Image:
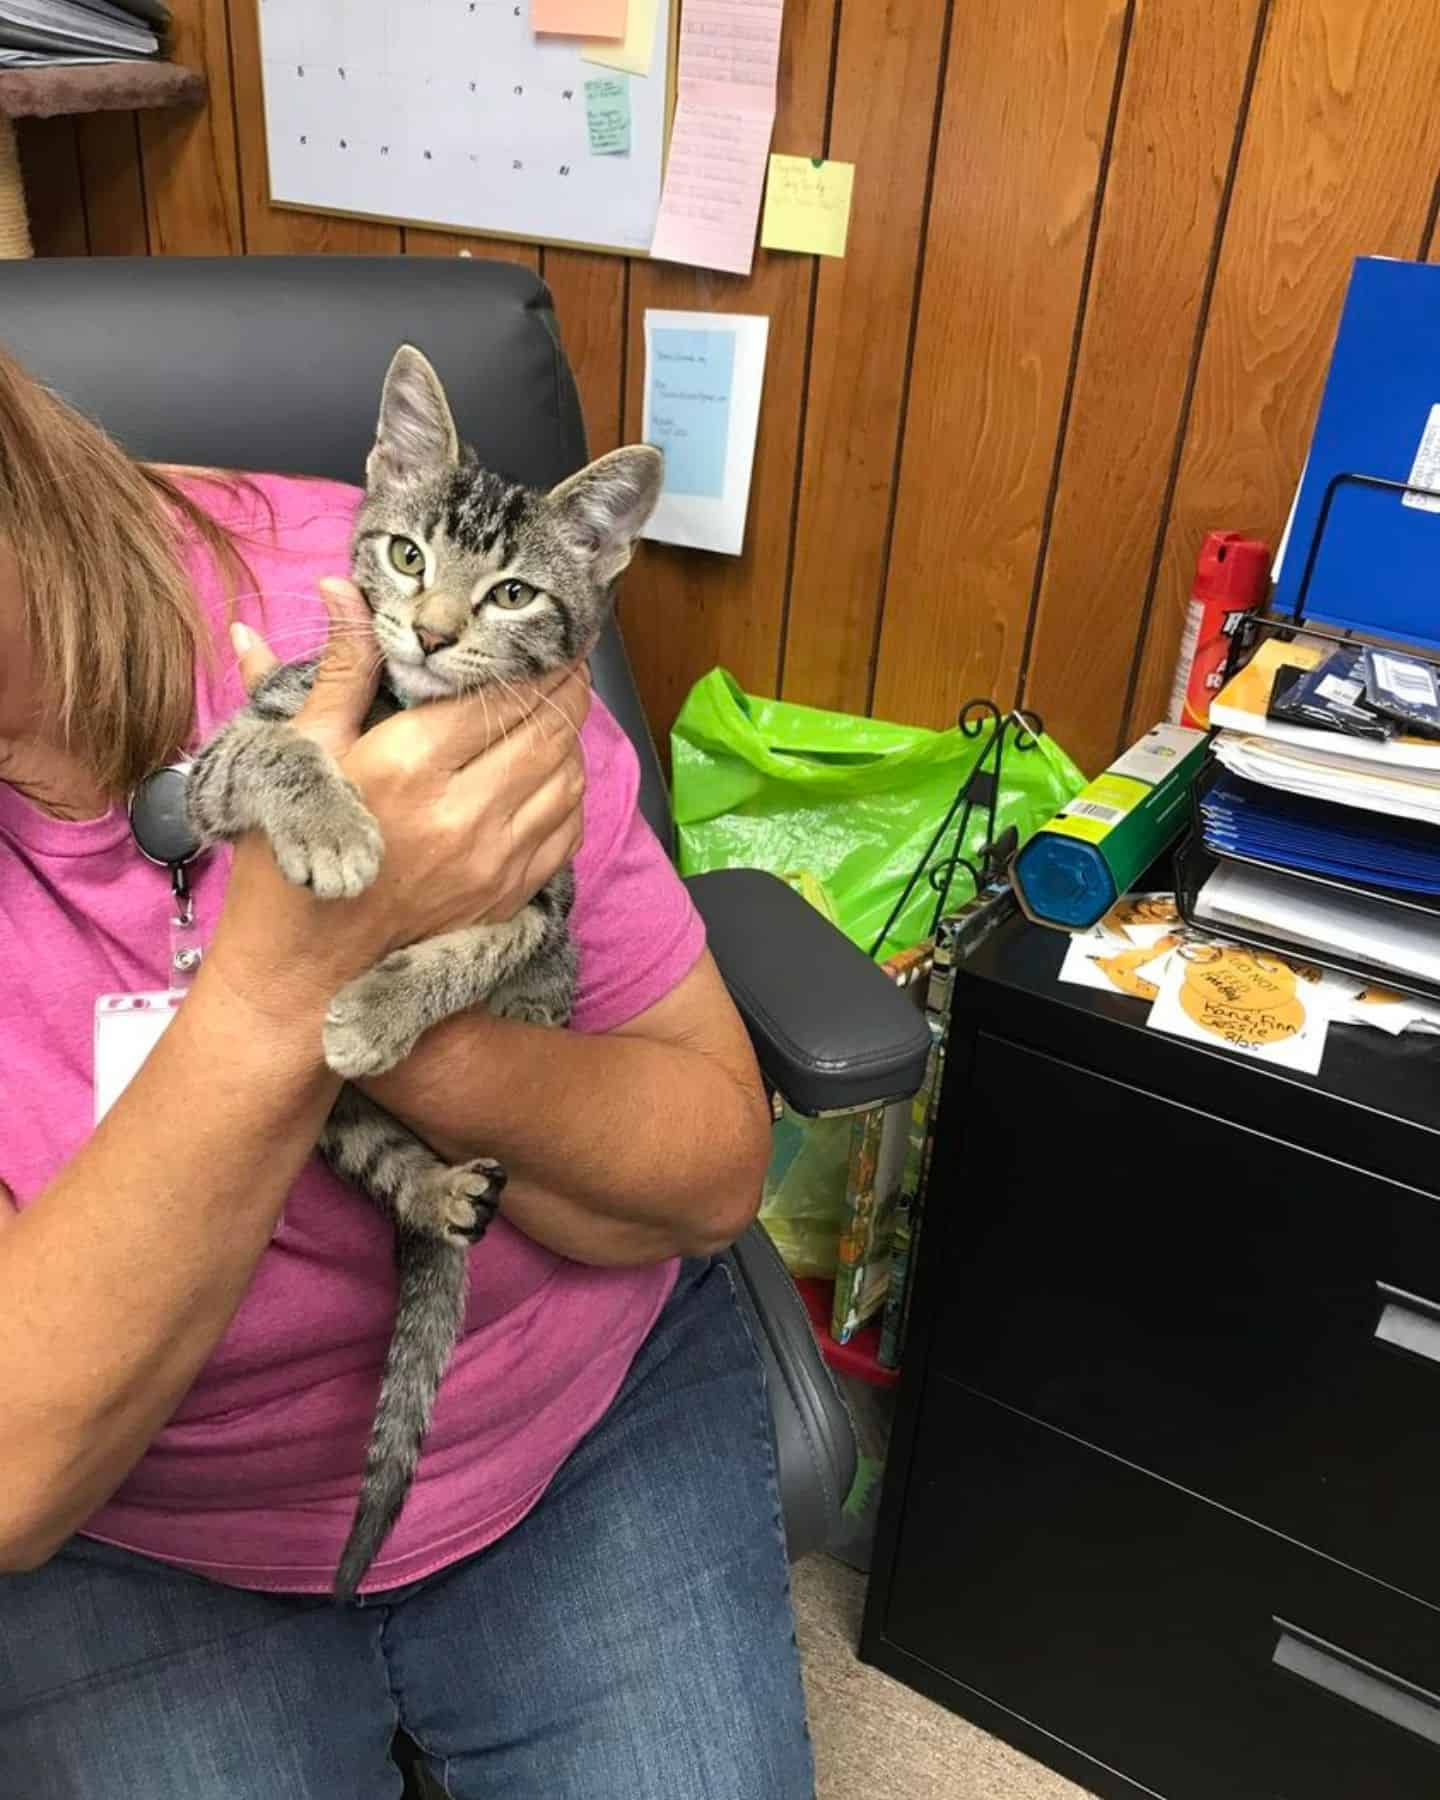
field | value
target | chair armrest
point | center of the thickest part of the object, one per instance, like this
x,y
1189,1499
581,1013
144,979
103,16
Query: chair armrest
x,y
831,1031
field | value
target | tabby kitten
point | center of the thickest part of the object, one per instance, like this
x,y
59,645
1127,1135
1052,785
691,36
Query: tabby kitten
x,y
471,581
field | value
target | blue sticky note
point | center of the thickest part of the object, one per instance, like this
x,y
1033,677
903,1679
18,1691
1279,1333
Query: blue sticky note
x,y
690,383
607,113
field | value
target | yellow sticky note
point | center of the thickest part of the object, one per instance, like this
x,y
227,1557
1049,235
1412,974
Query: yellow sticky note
x,y
807,205
634,52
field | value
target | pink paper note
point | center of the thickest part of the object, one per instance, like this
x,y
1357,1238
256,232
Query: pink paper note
x,y
579,18
725,112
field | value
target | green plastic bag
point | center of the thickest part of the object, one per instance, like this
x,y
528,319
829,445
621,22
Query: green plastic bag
x,y
803,1205
850,802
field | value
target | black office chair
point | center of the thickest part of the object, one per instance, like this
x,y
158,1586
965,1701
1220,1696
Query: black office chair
x,y
276,363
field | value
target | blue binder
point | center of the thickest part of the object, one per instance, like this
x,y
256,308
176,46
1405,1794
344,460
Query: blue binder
x,y
1295,831
1378,566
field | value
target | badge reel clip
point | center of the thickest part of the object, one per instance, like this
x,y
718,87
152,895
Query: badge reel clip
x,y
163,835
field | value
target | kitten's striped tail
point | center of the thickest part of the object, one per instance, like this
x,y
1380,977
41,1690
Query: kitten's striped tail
x,y
428,1314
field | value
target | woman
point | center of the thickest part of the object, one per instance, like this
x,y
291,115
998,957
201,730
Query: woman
x,y
587,1591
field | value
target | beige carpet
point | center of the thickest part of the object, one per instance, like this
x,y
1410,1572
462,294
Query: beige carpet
x,y
876,1740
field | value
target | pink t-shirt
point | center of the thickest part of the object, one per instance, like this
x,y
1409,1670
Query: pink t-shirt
x,y
254,1480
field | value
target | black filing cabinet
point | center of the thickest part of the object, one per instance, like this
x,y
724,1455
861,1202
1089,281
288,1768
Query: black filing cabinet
x,y
1163,1500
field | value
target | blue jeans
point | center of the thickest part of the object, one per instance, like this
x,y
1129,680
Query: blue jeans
x,y
631,1639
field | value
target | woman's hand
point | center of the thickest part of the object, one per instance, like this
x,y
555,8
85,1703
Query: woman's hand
x,y
479,802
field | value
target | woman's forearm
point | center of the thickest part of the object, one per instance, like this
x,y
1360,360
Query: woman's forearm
x,y
117,1281
620,1149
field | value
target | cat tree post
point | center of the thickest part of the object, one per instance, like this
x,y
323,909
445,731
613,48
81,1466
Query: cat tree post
x,y
82,88
14,219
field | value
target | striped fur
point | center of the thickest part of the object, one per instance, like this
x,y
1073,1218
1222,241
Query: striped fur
x,y
484,542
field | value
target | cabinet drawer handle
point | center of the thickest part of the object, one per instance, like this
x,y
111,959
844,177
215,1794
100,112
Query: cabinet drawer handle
x,y
1408,1321
1412,1708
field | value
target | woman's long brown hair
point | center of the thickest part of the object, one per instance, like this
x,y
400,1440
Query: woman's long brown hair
x,y
110,615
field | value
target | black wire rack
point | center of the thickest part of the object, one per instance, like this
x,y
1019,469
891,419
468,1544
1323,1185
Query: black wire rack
x,y
1196,860
1018,730
1255,625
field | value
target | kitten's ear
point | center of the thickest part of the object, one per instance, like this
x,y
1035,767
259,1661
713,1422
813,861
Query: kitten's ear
x,y
415,434
603,508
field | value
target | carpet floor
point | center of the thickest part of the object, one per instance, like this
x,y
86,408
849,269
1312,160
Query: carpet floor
x,y
876,1740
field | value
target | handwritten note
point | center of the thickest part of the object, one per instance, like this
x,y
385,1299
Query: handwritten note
x,y
691,377
579,18
807,205
703,376
713,182
633,54
732,43
1249,1001
607,114
729,53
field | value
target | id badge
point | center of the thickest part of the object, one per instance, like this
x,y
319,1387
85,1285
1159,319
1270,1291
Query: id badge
x,y
127,1029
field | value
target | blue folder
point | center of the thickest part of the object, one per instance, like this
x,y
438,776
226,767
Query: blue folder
x,y
1378,566
1317,837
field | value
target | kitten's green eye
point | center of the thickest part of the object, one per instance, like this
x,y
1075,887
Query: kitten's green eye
x,y
510,596
407,556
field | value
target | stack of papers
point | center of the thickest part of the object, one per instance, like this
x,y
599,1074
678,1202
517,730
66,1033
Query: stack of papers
x,y
1347,828
1338,834
1402,794
1401,940
37,32
1241,818
1399,777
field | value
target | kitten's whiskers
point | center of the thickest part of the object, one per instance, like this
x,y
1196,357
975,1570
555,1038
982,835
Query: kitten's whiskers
x,y
545,699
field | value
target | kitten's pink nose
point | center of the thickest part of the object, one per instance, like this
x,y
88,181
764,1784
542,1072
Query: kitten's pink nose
x,y
431,641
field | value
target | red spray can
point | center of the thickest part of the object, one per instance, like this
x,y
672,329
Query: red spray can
x,y
1230,580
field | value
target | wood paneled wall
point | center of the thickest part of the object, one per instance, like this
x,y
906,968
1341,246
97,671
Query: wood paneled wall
x,y
1096,258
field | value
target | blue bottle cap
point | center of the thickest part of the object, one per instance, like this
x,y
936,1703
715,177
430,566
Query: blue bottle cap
x,y
1064,881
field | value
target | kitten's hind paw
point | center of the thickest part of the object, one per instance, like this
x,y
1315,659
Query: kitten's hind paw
x,y
373,1023
459,1203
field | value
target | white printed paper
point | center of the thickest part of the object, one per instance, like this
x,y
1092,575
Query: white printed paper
x,y
1410,681
1359,1003
1353,925
703,376
127,1029
1153,756
1113,965
1425,470
1081,966
1278,561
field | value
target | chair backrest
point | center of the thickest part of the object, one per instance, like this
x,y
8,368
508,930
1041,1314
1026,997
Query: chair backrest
x,y
276,362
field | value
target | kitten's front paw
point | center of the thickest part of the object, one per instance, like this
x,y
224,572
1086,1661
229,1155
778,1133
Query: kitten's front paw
x,y
459,1203
372,1022
336,853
